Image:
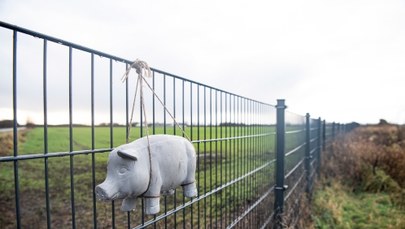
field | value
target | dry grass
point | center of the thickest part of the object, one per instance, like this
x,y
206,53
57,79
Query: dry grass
x,y
6,143
363,180
370,158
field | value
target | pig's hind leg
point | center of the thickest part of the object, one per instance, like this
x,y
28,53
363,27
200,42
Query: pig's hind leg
x,y
152,196
189,190
189,185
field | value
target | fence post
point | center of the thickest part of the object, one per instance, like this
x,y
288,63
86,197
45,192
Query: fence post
x,y
324,135
307,153
336,129
280,154
333,130
319,145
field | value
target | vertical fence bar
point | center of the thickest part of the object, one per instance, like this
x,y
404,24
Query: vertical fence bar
x,y
164,132
205,151
333,130
153,105
216,156
111,134
141,124
336,129
251,150
44,87
72,187
174,133
319,145
280,154
210,158
198,155
191,138
127,107
111,106
307,152
164,103
153,131
233,154
130,124
184,129
239,149
93,159
226,153
222,174
222,155
15,133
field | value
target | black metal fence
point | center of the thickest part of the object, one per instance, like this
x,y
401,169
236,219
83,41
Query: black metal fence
x,y
255,160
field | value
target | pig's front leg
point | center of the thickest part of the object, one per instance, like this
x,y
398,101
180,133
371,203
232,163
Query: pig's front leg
x,y
152,205
128,204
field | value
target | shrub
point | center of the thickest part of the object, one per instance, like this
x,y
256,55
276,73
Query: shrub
x,y
371,159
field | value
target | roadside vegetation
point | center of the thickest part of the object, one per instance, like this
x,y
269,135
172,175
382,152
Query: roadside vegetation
x,y
362,182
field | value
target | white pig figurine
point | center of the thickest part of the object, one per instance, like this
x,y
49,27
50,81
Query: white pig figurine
x,y
132,173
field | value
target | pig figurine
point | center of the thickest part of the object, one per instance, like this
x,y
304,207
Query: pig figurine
x,y
132,173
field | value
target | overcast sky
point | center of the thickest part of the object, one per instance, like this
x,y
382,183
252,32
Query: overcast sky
x,y
341,60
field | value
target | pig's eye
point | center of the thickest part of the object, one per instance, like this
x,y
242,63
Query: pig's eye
x,y
122,170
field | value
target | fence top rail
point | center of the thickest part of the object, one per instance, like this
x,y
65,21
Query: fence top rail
x,y
118,59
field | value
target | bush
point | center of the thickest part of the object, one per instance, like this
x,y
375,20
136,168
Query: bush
x,y
379,182
371,159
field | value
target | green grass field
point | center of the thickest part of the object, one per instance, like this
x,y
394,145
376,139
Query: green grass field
x,y
219,163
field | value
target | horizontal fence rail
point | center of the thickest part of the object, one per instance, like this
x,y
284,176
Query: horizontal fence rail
x,y
255,160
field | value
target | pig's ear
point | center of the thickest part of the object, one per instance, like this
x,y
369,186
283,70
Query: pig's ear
x,y
127,155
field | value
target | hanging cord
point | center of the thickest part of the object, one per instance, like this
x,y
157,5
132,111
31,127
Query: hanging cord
x,y
142,67
167,110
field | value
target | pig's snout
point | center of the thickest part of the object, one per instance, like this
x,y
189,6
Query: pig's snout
x,y
101,193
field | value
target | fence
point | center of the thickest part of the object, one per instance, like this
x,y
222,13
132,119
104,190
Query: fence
x,y
254,160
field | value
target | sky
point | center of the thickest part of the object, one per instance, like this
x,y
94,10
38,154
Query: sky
x,y
340,60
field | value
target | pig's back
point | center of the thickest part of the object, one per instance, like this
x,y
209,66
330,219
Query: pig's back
x,y
172,155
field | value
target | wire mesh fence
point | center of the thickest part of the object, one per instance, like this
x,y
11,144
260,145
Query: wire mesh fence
x,y
49,169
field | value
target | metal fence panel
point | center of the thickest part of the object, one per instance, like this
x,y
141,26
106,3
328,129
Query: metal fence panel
x,y
255,162
56,164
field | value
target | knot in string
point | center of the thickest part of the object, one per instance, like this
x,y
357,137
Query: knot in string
x,y
141,67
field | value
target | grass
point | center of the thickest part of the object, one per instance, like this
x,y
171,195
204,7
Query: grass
x,y
336,206
219,162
